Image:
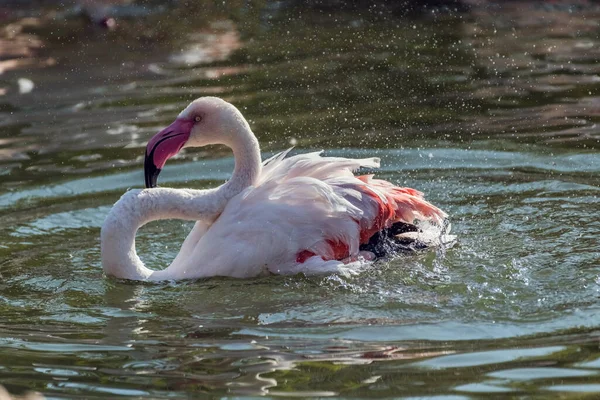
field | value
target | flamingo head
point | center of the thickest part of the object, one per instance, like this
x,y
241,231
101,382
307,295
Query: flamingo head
x,y
207,120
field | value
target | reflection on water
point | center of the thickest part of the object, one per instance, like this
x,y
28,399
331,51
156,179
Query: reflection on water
x,y
540,71
18,49
492,112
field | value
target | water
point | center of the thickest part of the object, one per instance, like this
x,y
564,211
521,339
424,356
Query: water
x,y
492,113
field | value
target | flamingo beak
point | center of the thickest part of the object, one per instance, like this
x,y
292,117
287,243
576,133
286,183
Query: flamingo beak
x,y
164,145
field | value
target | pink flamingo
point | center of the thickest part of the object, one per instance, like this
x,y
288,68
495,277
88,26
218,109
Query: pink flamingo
x,y
300,214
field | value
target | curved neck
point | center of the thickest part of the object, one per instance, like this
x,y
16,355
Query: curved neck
x,y
138,207
246,152
135,209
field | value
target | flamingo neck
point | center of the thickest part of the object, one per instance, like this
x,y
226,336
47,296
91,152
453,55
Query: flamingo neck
x,y
138,207
135,209
246,152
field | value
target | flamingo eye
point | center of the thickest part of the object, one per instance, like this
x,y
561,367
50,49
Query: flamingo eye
x,y
198,118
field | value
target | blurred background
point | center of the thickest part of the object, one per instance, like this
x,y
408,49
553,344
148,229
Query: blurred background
x,y
489,107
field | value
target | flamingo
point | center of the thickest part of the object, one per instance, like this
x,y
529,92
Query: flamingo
x,y
289,214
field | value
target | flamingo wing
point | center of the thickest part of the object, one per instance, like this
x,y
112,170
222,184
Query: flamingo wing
x,y
307,213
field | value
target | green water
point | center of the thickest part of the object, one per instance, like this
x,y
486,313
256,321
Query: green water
x,y
493,113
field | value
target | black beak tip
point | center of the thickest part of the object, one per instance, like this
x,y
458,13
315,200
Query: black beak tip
x,y
150,172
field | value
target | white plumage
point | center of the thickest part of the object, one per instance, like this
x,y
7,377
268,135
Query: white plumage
x,y
304,213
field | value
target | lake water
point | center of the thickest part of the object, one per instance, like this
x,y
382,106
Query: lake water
x,y
493,112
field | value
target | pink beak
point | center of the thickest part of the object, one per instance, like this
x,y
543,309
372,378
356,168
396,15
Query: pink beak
x,y
164,145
